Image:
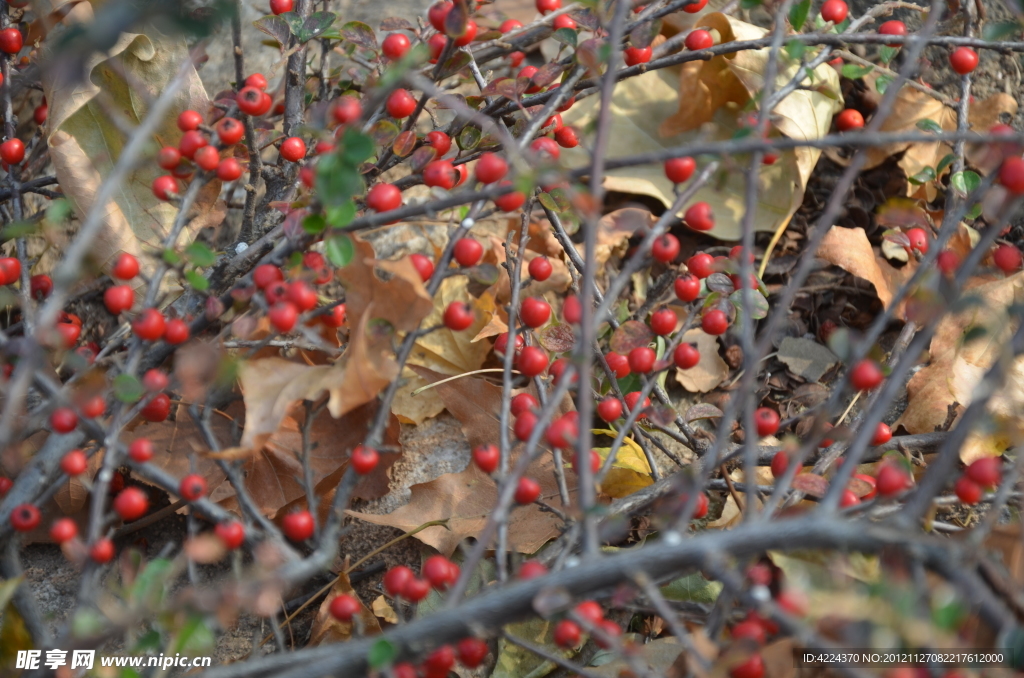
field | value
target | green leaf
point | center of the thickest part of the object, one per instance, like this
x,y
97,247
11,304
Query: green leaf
x,y
340,250
381,654
455,63
975,212
883,82
886,53
945,162
128,389
58,211
547,201
566,36
337,179
1000,30
317,23
751,4
925,175
758,304
965,182
854,72
693,588
314,224
341,215
798,14
171,258
150,640
928,125
150,585
195,637
469,138
795,49
197,281
356,147
200,255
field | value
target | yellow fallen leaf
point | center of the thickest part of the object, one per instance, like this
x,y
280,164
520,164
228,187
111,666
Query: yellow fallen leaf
x,y
451,352
630,455
383,609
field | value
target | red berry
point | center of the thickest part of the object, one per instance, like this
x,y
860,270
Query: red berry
x,y
695,6
524,402
632,398
527,491
866,375
118,298
501,343
531,569
74,463
562,433
40,286
253,101
157,409
780,462
424,266
663,321
364,459
486,457
150,325
750,629
849,119
963,60
102,551
438,571
968,491
440,141
131,504
468,252
715,322
509,25
468,35
641,359
63,530
347,110
63,420
458,316
1011,174
69,333
345,607
767,421
611,630
637,55
395,46
293,149
436,44
572,309
918,239
437,13
883,434
665,248
532,361
281,6
189,120
948,262
400,104
384,197
302,295
440,661
472,652
439,173
510,202
534,312
266,274
699,217
229,169
231,534
751,668
256,80
609,409
177,331
563,21
848,498
191,142
10,270
567,632
698,39
566,137
229,131
893,28
396,578
679,170
548,6
591,611
618,363
540,268
546,148
25,517
5,485
155,380
891,480
834,11
490,168
701,265
1007,258
686,356
298,525
12,151
140,450
687,288
986,471
11,40
335,317
283,316
126,267
165,187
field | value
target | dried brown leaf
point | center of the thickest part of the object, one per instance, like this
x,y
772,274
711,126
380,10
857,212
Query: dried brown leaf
x,y
326,629
710,371
850,250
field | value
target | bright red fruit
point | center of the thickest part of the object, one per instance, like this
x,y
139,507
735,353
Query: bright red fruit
x,y
687,287
767,421
293,149
155,380
165,187
968,491
283,315
546,148
963,60
140,450
158,409
891,480
345,607
458,316
641,359
118,298
40,286
609,409
632,398
524,402
438,571
591,611
229,169
849,119
567,634
191,142
74,463
400,104
780,462
346,110
281,6
987,471
440,661
695,6
439,173
424,266
63,530
510,202
468,252
663,321
25,517
486,457
701,265
883,434
436,44
231,534
472,652
126,267
1011,174
10,270
501,343
665,248
750,629
131,504
531,569
566,137
384,197
440,142
364,459
177,331
298,525
395,46
637,55
893,28
468,35
230,131
532,361
540,268
102,551
698,39
509,25
534,312
490,168
918,238
63,420
751,668
563,21
256,80
847,499
189,120
679,170
11,40
866,375
699,217
572,309
12,151
396,578
548,6
1007,258
686,356
527,491
715,322
834,11
437,13
150,325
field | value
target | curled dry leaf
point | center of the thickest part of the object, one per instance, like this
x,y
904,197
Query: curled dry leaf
x,y
699,100
383,610
326,629
710,371
849,249
466,499
85,140
630,335
966,344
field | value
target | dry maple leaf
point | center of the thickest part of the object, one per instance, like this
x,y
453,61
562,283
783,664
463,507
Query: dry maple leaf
x,y
850,250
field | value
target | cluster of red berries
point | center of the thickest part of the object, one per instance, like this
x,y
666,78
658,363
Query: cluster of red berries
x,y
287,300
982,474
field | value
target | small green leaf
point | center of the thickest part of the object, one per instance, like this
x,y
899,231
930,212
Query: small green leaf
x,y
337,179
314,224
276,27
547,201
974,213
795,49
356,147
171,258
469,138
197,281
128,389
1000,30
566,36
854,72
945,162
925,175
886,53
58,211
928,125
751,4
693,588
965,182
317,23
798,14
200,255
382,653
341,215
883,82
340,249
